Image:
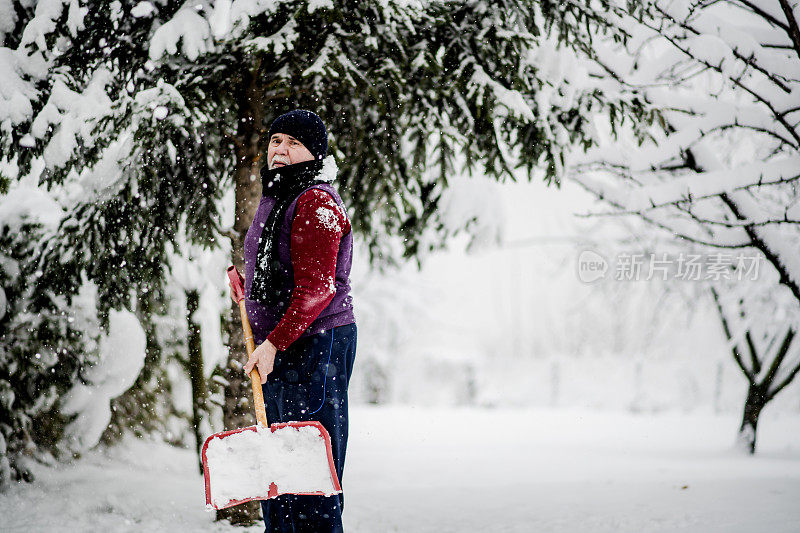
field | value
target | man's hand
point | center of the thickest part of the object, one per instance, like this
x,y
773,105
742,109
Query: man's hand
x,y
263,358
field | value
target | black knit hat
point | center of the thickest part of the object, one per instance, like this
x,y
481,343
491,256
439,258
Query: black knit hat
x,y
304,126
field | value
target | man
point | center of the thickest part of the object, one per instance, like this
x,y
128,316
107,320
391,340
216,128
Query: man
x,y
298,253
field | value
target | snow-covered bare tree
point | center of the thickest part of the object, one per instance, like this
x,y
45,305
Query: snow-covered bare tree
x,y
764,350
720,169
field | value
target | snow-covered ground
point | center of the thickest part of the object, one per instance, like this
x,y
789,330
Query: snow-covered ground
x,y
437,470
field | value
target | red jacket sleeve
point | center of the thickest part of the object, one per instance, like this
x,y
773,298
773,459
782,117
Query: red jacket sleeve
x,y
317,228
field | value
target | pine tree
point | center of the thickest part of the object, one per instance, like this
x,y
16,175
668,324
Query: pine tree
x,y
145,113
43,348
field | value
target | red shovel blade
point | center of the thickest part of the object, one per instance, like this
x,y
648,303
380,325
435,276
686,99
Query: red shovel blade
x,y
256,463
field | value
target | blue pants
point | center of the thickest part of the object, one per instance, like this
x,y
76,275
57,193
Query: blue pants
x,y
309,382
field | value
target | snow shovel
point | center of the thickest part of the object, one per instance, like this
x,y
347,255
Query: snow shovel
x,y
262,462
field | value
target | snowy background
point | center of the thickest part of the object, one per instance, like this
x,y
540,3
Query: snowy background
x,y
513,325
497,413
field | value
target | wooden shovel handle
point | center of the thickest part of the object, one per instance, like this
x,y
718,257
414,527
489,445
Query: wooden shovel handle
x,y
237,293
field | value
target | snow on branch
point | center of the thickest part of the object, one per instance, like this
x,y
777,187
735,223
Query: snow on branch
x,y
278,42
511,99
44,20
73,115
710,184
17,89
187,27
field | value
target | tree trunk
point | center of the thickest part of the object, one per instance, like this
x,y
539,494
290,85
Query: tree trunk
x,y
237,409
196,374
756,400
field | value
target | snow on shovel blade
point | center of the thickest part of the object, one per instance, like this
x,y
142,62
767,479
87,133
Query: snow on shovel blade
x,y
259,463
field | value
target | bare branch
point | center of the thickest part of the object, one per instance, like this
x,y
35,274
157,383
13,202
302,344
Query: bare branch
x,y
793,30
649,220
740,223
691,198
727,330
779,357
688,211
763,14
759,243
775,113
755,239
785,382
758,129
751,347
777,46
750,61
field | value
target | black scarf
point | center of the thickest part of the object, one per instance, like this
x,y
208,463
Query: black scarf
x,y
284,184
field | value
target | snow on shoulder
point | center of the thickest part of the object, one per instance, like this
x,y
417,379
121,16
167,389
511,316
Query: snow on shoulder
x,y
329,169
330,214
243,465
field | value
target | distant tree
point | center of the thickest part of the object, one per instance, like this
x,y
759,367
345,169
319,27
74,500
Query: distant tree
x,y
767,355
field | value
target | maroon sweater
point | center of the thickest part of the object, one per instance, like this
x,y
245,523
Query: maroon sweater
x,y
317,228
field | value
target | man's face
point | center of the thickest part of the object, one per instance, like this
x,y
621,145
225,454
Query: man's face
x,y
285,150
